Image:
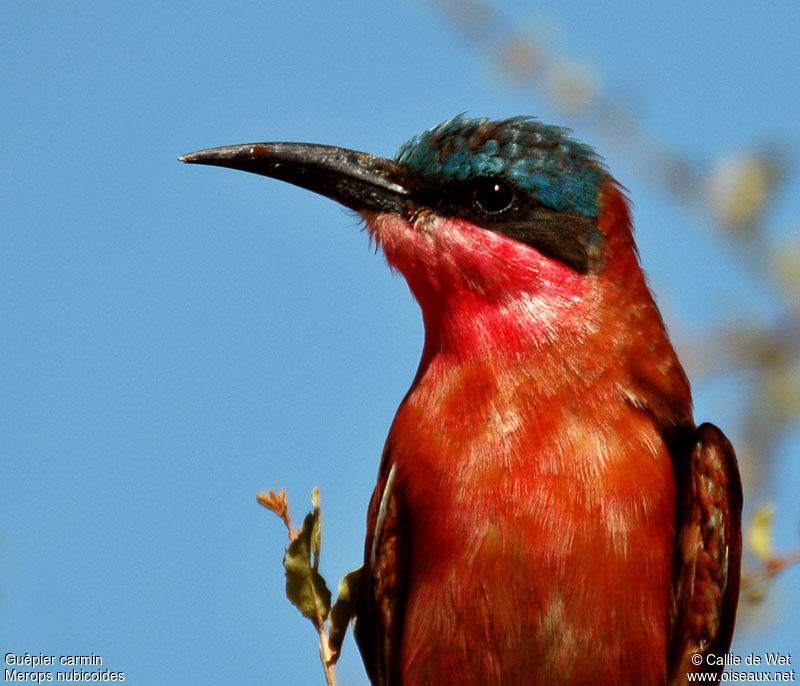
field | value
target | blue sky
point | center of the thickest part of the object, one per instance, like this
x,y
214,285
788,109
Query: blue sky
x,y
176,339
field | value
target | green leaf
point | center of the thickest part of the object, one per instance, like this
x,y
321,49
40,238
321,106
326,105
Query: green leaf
x,y
305,587
315,537
344,609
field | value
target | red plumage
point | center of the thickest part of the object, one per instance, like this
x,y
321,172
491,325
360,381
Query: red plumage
x,y
546,512
523,529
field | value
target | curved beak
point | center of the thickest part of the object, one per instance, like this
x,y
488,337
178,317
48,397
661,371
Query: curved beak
x,y
355,179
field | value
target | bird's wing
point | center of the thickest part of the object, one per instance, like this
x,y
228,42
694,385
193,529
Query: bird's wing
x,y
378,626
708,548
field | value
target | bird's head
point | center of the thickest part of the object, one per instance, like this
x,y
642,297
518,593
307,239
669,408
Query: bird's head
x,y
494,224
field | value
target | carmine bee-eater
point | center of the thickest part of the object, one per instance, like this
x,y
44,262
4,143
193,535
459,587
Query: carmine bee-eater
x,y
546,511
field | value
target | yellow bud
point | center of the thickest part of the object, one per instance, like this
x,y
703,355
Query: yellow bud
x,y
738,189
759,532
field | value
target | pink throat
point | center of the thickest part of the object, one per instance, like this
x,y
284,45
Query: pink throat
x,y
481,292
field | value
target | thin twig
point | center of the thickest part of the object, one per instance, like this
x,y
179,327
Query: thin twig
x,y
328,663
772,568
277,503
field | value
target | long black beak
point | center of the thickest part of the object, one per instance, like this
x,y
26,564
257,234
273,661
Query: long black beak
x,y
357,180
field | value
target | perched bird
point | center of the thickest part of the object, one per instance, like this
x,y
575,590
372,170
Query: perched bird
x,y
547,511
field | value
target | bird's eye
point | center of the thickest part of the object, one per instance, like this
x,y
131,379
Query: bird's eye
x,y
493,195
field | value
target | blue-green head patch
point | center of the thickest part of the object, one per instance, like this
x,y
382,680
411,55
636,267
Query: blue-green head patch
x,y
558,171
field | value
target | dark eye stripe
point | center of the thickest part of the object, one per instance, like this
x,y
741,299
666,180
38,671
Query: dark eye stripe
x,y
497,205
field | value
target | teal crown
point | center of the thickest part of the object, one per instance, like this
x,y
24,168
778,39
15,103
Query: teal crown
x,y
559,171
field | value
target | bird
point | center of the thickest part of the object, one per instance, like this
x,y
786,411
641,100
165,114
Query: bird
x,y
546,511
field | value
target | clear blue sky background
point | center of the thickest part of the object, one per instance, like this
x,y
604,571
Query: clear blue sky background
x,y
175,339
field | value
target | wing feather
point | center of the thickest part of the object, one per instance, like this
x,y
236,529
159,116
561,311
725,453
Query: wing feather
x,y
379,620
707,555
